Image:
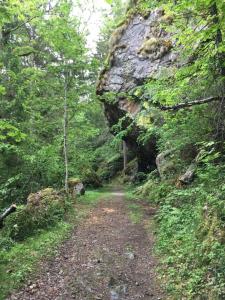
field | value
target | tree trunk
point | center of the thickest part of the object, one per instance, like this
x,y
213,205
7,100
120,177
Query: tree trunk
x,y
218,38
124,155
220,68
65,134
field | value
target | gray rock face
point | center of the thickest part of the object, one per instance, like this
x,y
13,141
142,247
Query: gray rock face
x,y
79,189
141,49
132,64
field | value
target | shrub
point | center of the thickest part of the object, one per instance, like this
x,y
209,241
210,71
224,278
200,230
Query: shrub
x,y
154,190
90,178
44,209
191,237
5,242
109,169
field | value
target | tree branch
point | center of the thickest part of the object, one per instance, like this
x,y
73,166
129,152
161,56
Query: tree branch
x,y
190,104
9,31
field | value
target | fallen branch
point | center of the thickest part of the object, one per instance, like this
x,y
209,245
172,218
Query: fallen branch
x,y
6,213
190,104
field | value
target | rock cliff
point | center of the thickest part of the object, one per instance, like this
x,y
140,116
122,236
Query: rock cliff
x,y
140,49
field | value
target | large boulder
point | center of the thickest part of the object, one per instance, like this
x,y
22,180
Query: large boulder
x,y
140,49
168,167
44,208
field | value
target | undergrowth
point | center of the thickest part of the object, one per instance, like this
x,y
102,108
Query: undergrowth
x,y
191,233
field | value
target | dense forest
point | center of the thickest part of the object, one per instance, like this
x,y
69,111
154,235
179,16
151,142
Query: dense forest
x,y
138,107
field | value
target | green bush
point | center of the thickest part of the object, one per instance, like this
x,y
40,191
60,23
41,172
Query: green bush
x,y
110,168
91,179
27,221
6,242
154,190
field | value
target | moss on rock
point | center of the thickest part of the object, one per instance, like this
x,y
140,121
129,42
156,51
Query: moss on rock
x,y
155,47
73,181
43,197
44,208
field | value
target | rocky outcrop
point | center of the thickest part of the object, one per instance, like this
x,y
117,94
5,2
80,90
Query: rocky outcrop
x,y
165,164
140,49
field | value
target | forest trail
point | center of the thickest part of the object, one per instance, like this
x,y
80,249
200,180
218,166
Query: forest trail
x,y
107,257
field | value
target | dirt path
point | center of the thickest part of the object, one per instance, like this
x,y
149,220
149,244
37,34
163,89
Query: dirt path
x,y
107,258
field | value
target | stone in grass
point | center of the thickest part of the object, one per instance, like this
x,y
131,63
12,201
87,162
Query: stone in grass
x,y
188,176
76,187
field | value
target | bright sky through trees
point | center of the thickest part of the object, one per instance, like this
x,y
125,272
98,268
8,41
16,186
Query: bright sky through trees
x,y
90,12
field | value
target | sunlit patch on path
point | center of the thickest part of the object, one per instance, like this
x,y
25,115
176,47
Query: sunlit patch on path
x,y
119,194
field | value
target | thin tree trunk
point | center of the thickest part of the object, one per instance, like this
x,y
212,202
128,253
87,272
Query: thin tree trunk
x,y
218,37
124,155
65,134
219,62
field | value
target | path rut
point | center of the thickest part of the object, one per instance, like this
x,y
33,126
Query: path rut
x,y
106,258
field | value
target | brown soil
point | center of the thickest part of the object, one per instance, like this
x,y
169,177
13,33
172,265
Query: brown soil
x,y
106,258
